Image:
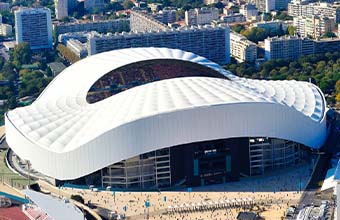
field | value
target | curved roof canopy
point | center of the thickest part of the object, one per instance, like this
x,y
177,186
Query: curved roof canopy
x,y
66,137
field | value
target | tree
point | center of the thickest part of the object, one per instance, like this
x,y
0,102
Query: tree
x,y
337,98
291,30
283,16
238,28
67,53
328,34
114,6
127,4
78,198
22,54
12,102
255,34
66,19
218,5
337,87
8,71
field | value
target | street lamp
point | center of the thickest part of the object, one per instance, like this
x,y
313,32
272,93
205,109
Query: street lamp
x,y
29,173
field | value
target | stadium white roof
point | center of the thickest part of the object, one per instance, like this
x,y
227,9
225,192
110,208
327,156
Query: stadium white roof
x,y
62,126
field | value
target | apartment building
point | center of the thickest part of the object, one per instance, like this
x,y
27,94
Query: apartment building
x,y
249,11
212,42
100,26
5,30
33,25
313,26
201,16
241,48
142,22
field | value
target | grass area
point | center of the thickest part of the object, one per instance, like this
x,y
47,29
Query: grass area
x,y
9,176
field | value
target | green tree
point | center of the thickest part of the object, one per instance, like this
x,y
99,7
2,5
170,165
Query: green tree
x,y
337,87
22,54
238,28
8,71
291,30
127,4
328,34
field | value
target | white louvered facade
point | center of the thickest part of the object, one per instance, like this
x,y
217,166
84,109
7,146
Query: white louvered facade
x,y
65,137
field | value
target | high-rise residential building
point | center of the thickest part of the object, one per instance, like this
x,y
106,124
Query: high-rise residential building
x,y
91,5
313,26
5,30
242,49
201,16
116,25
33,25
212,42
4,6
293,47
306,9
287,47
249,11
264,5
61,8
328,45
141,22
270,5
166,16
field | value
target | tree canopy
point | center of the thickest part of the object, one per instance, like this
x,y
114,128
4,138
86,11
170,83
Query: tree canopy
x,y
22,54
259,34
328,34
323,69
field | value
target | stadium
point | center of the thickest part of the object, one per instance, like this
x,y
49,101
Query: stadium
x,y
159,117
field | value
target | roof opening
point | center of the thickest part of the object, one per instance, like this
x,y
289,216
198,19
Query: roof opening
x,y
143,72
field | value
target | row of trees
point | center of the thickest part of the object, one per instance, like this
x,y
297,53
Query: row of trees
x,y
258,34
29,82
67,53
323,69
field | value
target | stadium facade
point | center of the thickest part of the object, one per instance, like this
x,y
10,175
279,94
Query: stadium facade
x,y
159,117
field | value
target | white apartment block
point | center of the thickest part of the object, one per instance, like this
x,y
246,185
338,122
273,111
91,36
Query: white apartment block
x,y
166,16
284,47
306,9
249,11
77,47
5,30
233,18
242,49
33,25
313,26
201,16
264,5
61,8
